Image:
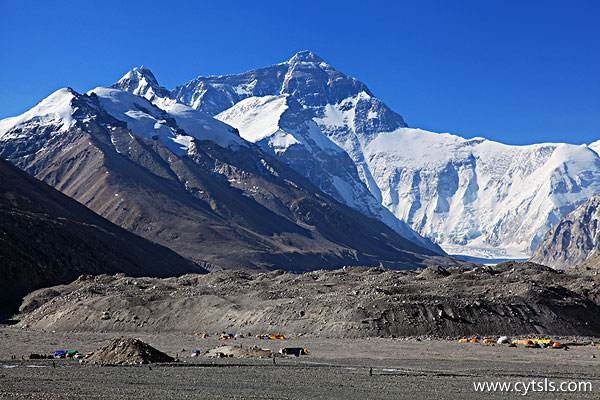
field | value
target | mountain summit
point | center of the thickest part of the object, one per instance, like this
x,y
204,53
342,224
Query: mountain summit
x,y
282,122
305,56
179,177
141,82
470,196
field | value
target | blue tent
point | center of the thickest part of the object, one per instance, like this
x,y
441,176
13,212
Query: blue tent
x,y
60,353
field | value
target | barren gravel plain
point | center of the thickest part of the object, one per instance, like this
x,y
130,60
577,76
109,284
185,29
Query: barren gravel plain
x,y
335,369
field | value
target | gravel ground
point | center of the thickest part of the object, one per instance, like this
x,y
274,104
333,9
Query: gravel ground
x,y
336,369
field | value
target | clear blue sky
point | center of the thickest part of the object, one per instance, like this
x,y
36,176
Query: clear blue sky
x,y
515,71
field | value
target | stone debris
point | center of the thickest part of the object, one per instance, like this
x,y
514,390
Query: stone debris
x,y
511,299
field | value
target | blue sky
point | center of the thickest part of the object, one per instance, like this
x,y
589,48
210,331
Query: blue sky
x,y
515,71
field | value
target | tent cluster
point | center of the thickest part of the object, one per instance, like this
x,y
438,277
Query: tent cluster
x,y
294,351
223,335
530,343
538,343
229,336
271,336
60,353
227,351
240,351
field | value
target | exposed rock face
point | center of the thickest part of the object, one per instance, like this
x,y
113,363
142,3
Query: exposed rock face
x,y
189,182
575,240
508,299
47,238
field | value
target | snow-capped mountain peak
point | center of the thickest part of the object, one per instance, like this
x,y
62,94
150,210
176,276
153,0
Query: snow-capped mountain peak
x,y
140,73
306,56
141,82
228,203
57,109
196,123
473,196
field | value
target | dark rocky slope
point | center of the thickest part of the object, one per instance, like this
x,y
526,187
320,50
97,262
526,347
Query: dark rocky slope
x,y
47,238
574,241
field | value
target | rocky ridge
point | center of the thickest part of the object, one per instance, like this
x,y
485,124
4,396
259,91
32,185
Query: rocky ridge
x,y
509,299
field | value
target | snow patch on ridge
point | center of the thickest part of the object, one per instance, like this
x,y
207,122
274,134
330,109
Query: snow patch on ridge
x,y
142,117
259,118
256,117
201,125
150,122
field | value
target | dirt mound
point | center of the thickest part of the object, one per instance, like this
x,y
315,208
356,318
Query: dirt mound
x,y
128,351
